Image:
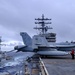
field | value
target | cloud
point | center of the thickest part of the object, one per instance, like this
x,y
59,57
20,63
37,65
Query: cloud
x,y
19,15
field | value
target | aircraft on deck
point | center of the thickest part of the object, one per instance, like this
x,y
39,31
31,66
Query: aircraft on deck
x,y
63,46
39,45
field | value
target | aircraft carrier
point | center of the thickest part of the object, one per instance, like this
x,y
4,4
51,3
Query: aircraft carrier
x,y
28,63
35,65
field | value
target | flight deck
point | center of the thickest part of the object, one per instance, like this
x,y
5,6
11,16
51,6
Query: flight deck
x,y
63,65
26,59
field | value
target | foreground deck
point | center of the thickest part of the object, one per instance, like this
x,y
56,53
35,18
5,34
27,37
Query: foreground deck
x,y
60,65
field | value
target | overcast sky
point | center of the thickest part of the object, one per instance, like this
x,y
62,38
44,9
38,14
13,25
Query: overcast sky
x,y
18,15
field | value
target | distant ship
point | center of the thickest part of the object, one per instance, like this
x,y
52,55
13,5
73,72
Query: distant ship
x,y
51,37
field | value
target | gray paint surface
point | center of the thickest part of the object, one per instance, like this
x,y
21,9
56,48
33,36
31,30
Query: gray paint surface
x,y
60,65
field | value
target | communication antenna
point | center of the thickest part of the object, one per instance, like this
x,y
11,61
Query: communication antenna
x,y
42,22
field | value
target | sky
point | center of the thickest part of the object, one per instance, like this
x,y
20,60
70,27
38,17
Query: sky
x,y
19,16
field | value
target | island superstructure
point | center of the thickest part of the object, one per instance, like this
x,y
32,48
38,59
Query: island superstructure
x,y
43,28
50,36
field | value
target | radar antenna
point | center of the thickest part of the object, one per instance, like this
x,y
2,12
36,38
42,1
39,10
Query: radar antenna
x,y
43,27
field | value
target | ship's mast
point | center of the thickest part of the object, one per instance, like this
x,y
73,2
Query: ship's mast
x,y
42,22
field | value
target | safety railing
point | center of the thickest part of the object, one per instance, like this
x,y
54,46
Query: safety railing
x,y
43,68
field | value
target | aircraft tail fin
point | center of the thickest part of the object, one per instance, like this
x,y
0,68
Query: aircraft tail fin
x,y
26,39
